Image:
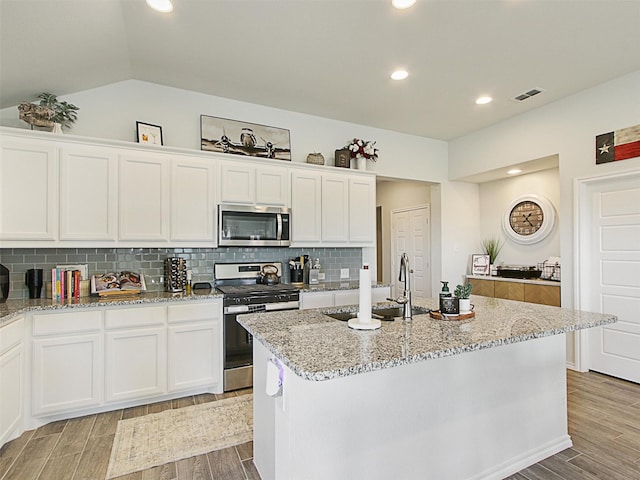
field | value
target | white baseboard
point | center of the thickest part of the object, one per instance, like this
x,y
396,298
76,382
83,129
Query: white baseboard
x,y
525,460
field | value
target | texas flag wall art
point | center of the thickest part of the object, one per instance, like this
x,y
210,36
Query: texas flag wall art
x,y
618,145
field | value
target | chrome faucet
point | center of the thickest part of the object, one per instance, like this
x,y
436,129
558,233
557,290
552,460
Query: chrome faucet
x,y
405,298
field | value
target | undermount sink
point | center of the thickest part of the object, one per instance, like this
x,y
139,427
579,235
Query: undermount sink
x,y
381,313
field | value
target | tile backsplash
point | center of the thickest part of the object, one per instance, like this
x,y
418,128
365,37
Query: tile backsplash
x,y
150,261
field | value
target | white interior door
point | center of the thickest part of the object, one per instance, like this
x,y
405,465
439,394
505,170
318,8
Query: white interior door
x,y
612,262
410,234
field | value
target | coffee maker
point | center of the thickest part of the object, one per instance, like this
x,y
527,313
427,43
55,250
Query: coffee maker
x,y
4,283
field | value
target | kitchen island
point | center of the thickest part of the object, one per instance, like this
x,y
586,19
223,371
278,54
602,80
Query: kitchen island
x,y
474,399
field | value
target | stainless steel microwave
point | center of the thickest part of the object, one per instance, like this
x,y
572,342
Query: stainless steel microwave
x,y
246,226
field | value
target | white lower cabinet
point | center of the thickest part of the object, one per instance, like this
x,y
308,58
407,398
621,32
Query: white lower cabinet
x,y
90,359
67,362
340,298
135,353
195,345
11,379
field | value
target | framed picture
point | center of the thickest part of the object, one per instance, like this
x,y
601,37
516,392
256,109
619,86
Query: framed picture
x,y
243,138
148,133
480,264
343,158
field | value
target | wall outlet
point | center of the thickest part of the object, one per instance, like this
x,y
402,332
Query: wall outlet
x,y
321,276
344,273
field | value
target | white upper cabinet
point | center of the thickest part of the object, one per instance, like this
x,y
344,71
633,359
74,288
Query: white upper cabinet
x,y
63,191
249,184
306,207
237,183
28,190
335,204
143,195
193,203
331,209
88,193
362,201
272,186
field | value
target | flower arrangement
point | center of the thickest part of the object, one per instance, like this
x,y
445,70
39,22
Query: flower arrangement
x,y
363,149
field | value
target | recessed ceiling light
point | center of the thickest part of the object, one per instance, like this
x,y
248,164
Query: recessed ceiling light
x,y
402,4
163,6
483,100
399,75
514,171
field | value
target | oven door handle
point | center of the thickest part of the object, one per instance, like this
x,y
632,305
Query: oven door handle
x,y
233,309
268,307
273,307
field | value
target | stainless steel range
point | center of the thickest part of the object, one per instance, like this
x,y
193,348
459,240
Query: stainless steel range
x,y
244,292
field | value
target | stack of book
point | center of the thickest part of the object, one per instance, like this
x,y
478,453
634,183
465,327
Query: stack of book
x,y
65,284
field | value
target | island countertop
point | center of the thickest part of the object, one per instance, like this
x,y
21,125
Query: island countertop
x,y
317,347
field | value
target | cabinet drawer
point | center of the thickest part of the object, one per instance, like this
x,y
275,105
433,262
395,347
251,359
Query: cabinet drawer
x,y
544,294
509,290
11,335
134,317
57,323
482,287
193,312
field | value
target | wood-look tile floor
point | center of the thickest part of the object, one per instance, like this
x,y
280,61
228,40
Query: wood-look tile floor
x,y
604,424
80,448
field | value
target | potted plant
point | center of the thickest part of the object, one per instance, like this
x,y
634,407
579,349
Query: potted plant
x,y
50,112
362,150
463,292
492,247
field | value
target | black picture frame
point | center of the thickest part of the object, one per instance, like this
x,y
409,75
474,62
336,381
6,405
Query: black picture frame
x,y
149,133
343,158
243,138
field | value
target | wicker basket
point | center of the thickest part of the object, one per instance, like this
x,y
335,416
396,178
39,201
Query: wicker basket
x,y
315,158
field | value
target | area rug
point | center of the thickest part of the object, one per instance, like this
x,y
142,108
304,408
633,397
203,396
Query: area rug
x,y
145,442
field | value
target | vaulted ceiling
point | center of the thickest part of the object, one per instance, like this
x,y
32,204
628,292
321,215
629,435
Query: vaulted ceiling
x,y
330,58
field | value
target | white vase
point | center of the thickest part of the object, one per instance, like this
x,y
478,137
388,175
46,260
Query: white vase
x,y
362,163
57,128
465,305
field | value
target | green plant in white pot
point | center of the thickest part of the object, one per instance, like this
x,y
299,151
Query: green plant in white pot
x,y
463,292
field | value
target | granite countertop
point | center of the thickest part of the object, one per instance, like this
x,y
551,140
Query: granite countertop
x,y
12,308
535,281
317,347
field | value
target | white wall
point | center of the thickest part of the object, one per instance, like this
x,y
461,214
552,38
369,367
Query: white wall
x,y
567,128
112,111
499,193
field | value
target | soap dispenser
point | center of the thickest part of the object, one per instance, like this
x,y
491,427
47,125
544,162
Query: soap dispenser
x,y
445,290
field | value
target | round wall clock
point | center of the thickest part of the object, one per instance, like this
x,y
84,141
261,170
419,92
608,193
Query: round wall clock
x,y
528,219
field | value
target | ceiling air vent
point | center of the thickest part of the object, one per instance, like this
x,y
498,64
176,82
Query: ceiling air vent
x,y
523,96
